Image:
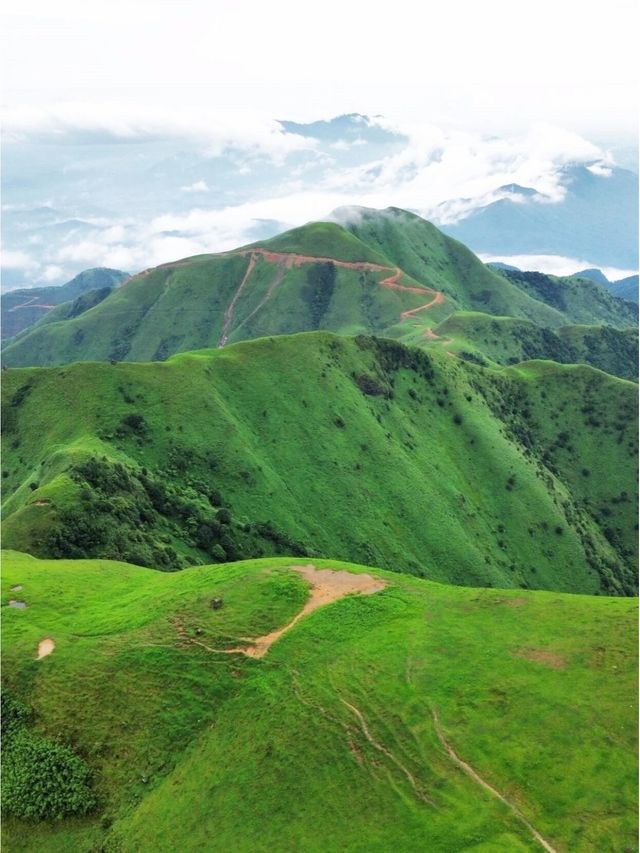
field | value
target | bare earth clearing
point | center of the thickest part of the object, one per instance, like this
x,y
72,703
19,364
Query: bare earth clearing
x,y
45,647
327,586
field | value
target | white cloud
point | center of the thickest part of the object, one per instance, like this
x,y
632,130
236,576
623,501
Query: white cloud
x,y
120,122
600,169
197,187
16,260
51,274
556,265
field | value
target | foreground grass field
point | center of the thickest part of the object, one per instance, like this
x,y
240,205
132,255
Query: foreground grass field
x,y
348,734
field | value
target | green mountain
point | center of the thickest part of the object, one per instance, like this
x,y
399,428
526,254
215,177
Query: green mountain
x,y
359,449
414,717
484,338
384,272
23,308
625,288
581,300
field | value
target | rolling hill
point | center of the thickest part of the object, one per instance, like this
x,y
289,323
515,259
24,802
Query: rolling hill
x,y
317,445
485,338
386,273
406,715
23,308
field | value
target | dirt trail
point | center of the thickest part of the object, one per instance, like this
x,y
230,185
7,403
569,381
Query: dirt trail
x,y
288,260
326,586
30,304
45,647
430,335
385,751
228,314
281,271
468,769
438,299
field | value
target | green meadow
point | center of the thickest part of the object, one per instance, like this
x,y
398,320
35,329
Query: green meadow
x,y
330,741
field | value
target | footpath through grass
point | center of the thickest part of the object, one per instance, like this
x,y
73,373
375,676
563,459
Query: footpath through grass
x,y
327,743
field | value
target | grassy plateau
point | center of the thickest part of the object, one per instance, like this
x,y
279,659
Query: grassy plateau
x,y
349,734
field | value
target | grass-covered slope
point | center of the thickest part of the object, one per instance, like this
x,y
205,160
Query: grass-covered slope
x,y
427,254
347,736
358,449
580,300
612,350
625,288
507,340
386,272
23,308
211,300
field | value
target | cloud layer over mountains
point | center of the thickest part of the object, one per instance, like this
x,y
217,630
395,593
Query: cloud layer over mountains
x,y
130,189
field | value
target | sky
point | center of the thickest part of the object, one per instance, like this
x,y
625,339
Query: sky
x,y
152,125
495,65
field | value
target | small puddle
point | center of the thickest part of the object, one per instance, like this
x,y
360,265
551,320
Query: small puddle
x,y
327,586
45,647
19,604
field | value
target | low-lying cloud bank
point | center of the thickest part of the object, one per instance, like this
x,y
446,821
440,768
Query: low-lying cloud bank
x,y
147,187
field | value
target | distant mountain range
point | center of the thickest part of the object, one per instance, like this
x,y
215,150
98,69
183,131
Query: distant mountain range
x,y
623,288
597,219
22,308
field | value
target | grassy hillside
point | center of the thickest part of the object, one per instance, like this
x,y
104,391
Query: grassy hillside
x,y
428,255
580,300
612,350
215,299
507,340
358,449
625,288
22,308
384,272
365,708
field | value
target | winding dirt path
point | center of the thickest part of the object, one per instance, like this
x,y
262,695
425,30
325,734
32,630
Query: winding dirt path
x,y
430,335
31,303
327,586
387,752
468,769
438,299
287,260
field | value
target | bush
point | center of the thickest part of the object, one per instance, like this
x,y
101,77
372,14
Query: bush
x,y
218,554
43,780
223,516
372,387
133,424
13,715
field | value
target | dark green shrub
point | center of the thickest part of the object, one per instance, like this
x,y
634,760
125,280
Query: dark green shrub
x,y
13,715
43,780
223,516
132,424
218,554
